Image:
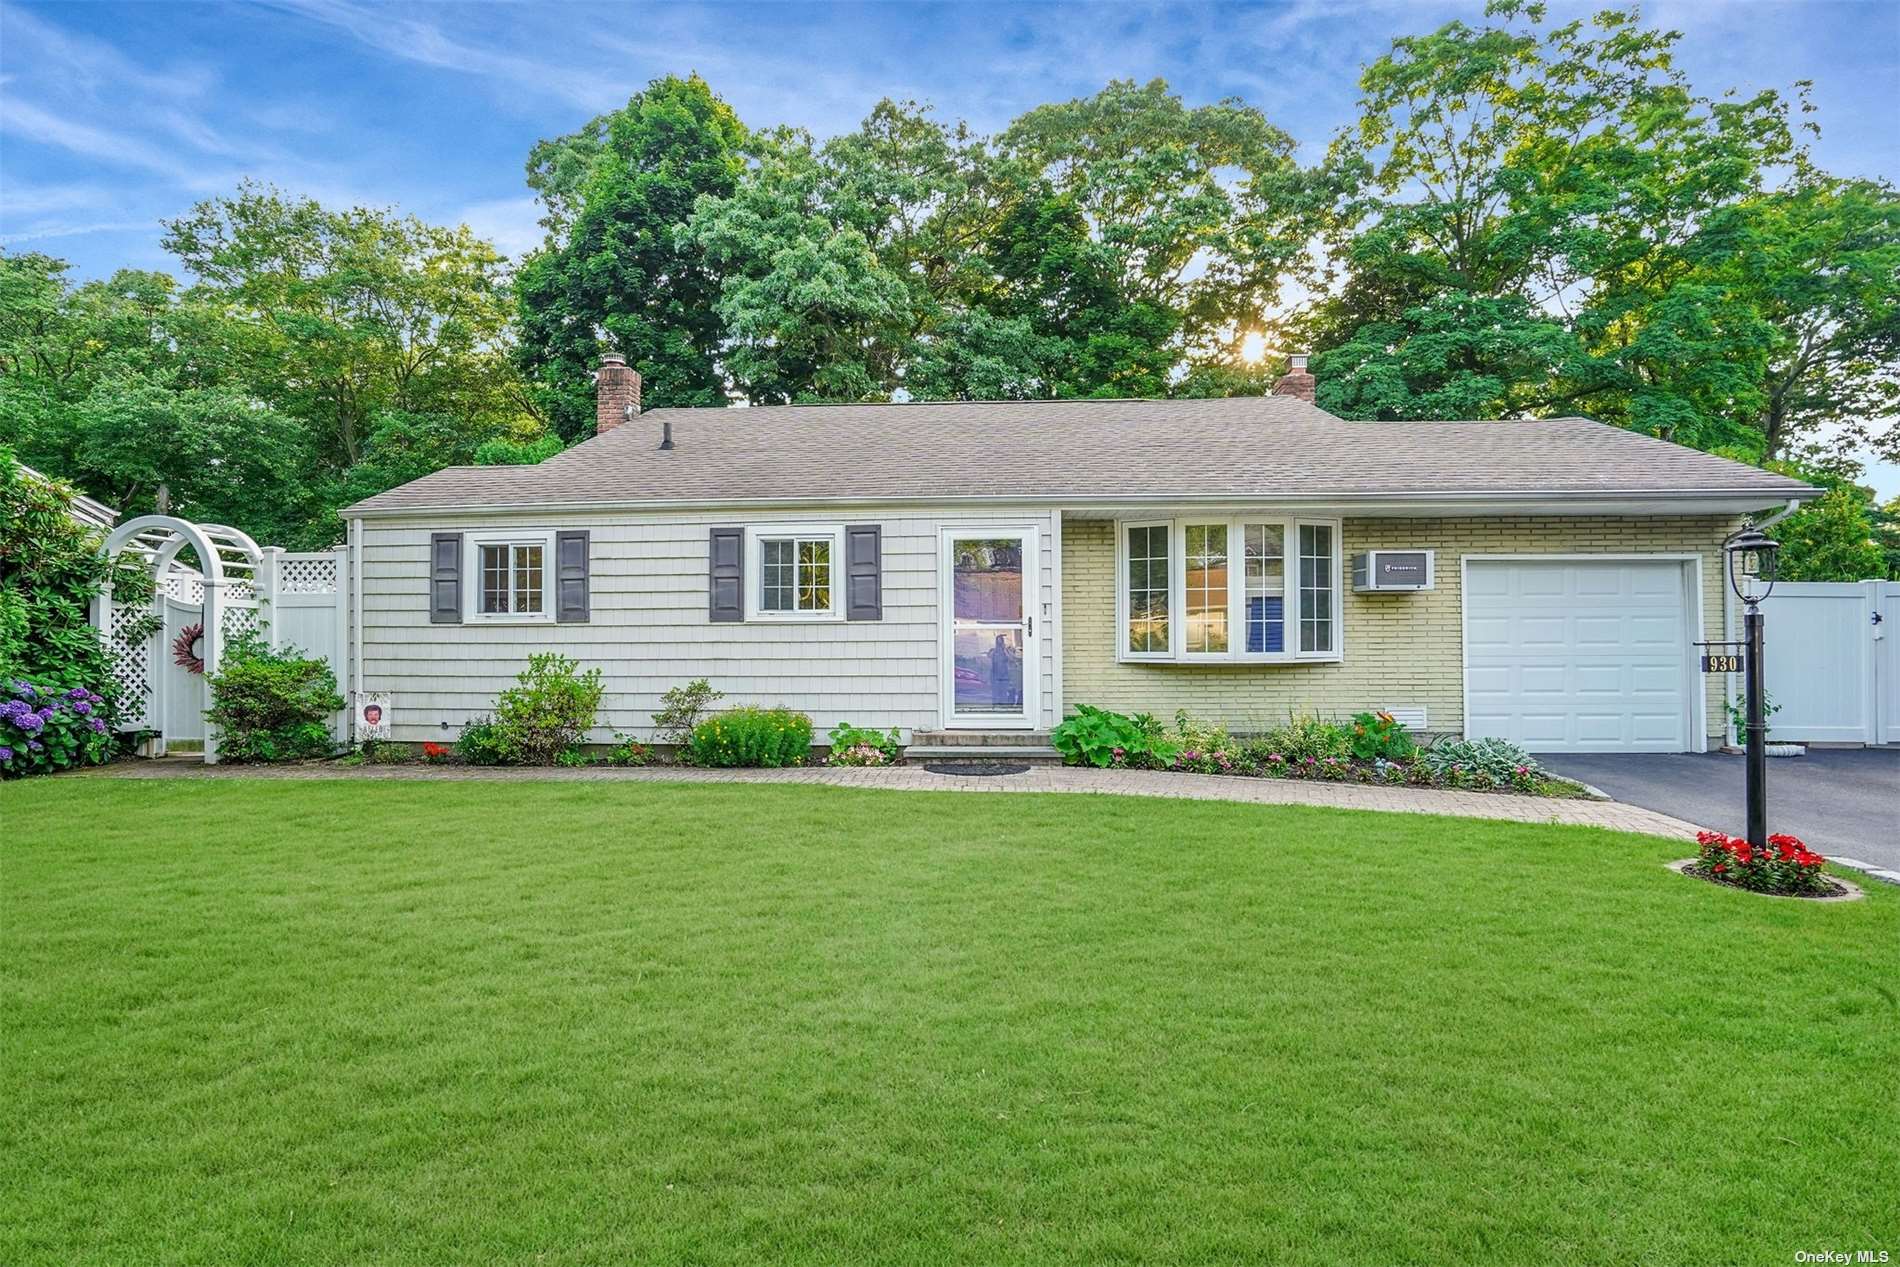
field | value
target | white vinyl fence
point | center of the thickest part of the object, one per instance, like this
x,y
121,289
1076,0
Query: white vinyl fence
x,y
1833,660
297,600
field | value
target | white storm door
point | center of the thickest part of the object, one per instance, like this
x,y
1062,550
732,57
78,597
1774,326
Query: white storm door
x,y
989,602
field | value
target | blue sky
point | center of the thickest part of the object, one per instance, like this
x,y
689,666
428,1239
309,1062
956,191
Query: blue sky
x,y
113,116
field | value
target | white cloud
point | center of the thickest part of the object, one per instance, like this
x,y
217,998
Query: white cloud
x,y
414,40
512,224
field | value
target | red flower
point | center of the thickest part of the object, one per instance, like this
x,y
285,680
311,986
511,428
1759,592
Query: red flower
x,y
434,751
1721,866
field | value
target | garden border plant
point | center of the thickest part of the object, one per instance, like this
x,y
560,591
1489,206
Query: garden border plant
x,y
1374,749
1784,867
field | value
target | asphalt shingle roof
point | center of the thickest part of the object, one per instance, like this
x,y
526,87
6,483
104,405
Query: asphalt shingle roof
x,y
1087,451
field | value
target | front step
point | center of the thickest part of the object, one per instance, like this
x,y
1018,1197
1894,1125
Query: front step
x,y
957,754
979,739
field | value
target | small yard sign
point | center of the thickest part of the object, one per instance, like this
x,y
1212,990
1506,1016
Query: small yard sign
x,y
372,714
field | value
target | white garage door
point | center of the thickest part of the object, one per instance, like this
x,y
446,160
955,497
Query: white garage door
x,y
1578,656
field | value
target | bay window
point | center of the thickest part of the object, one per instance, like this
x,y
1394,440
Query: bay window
x,y
1241,589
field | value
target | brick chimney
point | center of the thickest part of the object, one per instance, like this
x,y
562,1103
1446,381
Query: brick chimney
x,y
616,392
1296,381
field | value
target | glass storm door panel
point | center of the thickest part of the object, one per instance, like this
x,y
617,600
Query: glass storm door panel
x,y
992,628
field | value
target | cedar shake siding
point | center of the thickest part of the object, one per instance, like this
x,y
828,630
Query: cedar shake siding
x,y
649,627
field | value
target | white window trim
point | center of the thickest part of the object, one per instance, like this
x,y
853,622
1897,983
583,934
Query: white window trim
x,y
472,589
1122,611
1292,605
756,536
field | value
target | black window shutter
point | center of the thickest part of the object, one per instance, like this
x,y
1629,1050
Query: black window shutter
x,y
863,572
445,578
572,587
725,591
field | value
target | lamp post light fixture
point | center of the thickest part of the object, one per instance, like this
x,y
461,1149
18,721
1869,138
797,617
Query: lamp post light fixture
x,y
1751,574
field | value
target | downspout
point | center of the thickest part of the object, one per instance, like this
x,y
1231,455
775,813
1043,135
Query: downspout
x,y
356,612
1728,622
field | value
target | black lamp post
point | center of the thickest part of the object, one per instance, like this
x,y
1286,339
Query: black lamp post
x,y
1751,573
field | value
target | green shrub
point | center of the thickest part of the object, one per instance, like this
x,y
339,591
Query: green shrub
x,y
1097,737
855,745
628,751
1379,737
680,709
483,743
44,728
550,708
387,752
1308,736
50,570
271,704
751,736
1480,762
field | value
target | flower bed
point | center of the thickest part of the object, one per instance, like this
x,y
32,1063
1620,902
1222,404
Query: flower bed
x,y
1784,867
1375,749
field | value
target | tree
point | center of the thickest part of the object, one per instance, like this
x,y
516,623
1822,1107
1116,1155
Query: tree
x,y
1199,213
347,313
1531,221
615,273
810,310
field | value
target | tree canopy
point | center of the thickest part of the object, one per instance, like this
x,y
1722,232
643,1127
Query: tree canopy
x,y
1525,217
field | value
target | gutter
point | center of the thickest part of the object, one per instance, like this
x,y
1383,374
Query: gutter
x,y
1462,499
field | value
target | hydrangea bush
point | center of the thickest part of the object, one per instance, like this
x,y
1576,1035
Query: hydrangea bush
x,y
45,728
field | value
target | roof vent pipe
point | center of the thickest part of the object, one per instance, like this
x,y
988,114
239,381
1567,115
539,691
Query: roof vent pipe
x,y
666,435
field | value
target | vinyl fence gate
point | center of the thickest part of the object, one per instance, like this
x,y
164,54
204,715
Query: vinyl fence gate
x,y
1833,661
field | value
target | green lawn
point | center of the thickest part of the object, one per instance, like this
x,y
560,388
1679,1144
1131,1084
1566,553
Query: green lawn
x,y
351,1022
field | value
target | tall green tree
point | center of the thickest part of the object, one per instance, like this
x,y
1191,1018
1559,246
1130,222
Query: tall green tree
x,y
1529,219
348,313
616,273
1196,215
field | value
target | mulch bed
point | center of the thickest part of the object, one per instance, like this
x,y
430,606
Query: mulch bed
x,y
1835,890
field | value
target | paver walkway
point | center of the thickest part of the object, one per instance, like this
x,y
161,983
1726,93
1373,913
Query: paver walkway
x,y
908,778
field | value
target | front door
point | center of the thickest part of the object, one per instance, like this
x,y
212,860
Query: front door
x,y
990,642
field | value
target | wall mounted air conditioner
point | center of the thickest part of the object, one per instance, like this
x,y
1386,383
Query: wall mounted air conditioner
x,y
1392,571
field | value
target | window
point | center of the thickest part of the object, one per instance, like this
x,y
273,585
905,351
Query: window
x,y
511,577
1245,589
1205,572
1266,588
1316,588
1146,622
792,573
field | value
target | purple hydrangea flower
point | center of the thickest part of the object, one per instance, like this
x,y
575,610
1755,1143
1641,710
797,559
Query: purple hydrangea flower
x,y
46,714
98,726
78,692
6,753
24,690
31,723
35,745
82,707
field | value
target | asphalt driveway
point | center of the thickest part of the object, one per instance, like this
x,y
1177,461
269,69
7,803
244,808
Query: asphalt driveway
x,y
1839,800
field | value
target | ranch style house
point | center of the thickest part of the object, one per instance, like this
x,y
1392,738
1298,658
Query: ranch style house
x,y
985,566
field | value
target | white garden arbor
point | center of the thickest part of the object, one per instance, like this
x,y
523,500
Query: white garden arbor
x,y
221,590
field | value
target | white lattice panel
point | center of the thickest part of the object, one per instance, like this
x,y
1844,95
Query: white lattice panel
x,y
239,620
132,662
186,587
307,576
